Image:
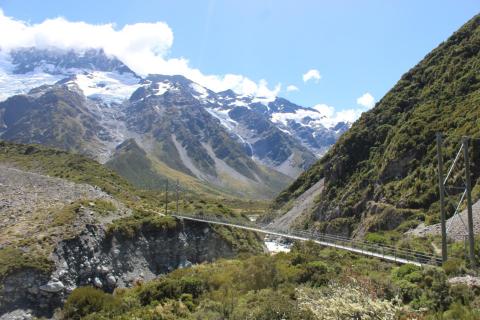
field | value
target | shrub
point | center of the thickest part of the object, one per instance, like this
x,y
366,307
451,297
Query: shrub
x,y
457,311
404,270
436,290
376,238
315,272
193,286
461,293
86,300
159,290
454,267
408,291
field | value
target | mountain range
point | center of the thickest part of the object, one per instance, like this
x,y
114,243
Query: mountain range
x,y
157,126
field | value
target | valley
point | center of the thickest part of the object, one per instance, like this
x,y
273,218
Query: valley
x,y
134,195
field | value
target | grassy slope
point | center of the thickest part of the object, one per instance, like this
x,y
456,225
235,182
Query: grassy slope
x,y
388,155
309,283
145,205
149,171
61,164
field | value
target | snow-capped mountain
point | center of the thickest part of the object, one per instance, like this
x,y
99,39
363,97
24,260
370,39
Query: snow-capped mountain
x,y
92,103
99,76
305,124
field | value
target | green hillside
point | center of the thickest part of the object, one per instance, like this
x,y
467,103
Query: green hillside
x,y
62,164
32,225
383,170
308,283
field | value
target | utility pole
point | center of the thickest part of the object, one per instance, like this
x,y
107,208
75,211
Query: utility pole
x,y
166,197
177,195
468,185
441,189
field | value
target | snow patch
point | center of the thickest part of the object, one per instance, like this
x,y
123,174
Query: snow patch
x,y
264,100
13,84
240,103
163,87
201,91
224,118
301,116
110,87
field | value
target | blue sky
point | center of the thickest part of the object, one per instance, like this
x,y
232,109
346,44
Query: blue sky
x,y
356,46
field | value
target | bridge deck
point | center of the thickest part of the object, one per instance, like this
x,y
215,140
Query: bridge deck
x,y
417,259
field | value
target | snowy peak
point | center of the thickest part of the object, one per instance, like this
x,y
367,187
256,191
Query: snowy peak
x,y
307,125
54,61
171,88
100,77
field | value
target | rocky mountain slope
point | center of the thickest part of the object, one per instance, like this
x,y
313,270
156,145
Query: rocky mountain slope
x,y
381,174
67,221
92,104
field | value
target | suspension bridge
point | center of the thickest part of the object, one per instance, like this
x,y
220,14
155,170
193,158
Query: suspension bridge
x,y
384,252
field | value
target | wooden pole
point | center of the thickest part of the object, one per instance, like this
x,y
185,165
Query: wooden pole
x,y
166,197
177,187
468,184
441,189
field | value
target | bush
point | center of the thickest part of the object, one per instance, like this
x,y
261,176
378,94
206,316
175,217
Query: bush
x,y
454,267
159,290
436,294
457,311
404,270
86,300
376,238
315,272
461,293
408,291
168,288
193,286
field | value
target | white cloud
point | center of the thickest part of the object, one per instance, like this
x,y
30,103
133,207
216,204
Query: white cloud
x,y
320,114
144,47
366,100
292,88
312,74
332,117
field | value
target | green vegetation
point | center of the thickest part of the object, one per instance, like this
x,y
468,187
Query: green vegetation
x,y
240,240
14,259
308,283
389,154
28,243
132,162
80,169
86,300
130,226
61,164
31,249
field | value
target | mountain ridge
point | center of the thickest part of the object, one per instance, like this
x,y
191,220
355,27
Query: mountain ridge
x,y
381,173
223,139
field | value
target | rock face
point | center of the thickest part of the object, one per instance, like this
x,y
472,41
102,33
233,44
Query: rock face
x,y
107,261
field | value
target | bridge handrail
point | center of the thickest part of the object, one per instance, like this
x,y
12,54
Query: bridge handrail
x,y
357,244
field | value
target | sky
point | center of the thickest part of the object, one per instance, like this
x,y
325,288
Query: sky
x,y
337,56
